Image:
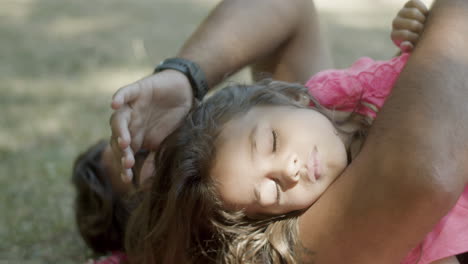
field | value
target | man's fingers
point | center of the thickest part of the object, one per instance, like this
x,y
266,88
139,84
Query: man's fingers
x,y
120,141
116,150
119,123
412,13
128,159
127,162
127,176
400,23
419,5
409,24
406,46
399,36
126,95
118,155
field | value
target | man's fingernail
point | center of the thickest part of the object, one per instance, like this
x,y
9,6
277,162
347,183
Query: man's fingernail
x,y
125,178
129,174
119,140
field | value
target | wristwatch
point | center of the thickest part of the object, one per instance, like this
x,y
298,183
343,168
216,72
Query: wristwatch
x,y
190,69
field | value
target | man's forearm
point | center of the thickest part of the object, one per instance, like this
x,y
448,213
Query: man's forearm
x,y
241,32
413,166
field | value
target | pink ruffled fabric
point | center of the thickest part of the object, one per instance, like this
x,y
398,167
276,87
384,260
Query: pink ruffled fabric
x,y
365,84
115,258
448,238
363,88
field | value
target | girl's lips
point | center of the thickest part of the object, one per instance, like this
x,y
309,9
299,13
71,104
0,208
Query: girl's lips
x,y
313,171
316,163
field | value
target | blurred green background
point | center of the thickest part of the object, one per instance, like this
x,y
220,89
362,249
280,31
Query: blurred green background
x,y
61,61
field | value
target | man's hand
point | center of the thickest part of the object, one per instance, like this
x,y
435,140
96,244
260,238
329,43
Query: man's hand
x,y
408,25
146,112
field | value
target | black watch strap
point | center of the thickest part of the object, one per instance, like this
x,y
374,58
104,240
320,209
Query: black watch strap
x,y
193,72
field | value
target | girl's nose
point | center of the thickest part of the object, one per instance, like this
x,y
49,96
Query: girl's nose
x,y
291,170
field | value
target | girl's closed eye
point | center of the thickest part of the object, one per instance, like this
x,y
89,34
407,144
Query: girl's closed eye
x,y
267,140
269,193
274,135
278,193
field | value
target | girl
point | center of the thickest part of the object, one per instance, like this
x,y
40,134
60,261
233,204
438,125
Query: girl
x,y
232,180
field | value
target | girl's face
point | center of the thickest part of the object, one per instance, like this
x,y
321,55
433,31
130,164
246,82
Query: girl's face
x,y
276,159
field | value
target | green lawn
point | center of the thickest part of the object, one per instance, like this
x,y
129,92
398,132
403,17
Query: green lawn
x,y
60,62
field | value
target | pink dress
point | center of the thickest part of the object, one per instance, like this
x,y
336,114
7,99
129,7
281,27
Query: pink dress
x,y
115,257
363,88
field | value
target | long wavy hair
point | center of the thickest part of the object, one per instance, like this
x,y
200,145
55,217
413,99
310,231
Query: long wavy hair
x,y
180,219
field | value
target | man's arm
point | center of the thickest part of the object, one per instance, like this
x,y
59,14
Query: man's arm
x,y
280,37
413,166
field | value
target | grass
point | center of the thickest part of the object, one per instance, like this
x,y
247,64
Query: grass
x,y
61,61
